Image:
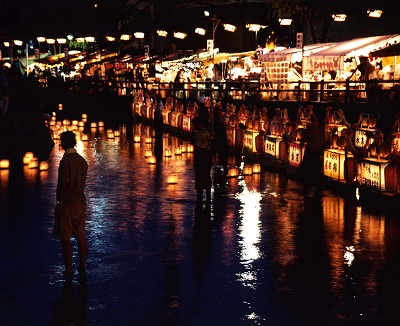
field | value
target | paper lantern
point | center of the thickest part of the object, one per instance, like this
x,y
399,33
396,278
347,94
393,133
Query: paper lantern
x,y
190,148
93,125
136,139
148,153
178,151
101,124
84,137
43,166
4,164
81,124
183,149
84,116
271,146
33,164
256,168
334,164
247,170
172,179
391,179
116,133
167,152
148,140
233,172
373,173
60,107
152,159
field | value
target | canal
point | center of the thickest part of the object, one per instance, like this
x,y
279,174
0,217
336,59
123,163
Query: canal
x,y
269,251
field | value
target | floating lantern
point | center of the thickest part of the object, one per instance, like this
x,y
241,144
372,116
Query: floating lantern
x,y
149,140
172,179
33,164
152,159
183,149
93,125
256,168
136,139
4,164
190,148
66,122
334,164
233,172
116,133
60,107
101,124
178,151
84,137
148,153
247,170
167,152
43,166
74,122
84,116
81,124
373,173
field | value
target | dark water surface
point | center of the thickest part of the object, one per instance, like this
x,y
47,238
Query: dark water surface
x,y
269,251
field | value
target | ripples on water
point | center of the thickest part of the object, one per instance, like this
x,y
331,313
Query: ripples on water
x,y
268,252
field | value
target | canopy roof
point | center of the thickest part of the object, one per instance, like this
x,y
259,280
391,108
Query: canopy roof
x,y
389,51
333,58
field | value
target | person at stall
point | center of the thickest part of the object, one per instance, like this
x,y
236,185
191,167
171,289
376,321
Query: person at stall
x,y
368,75
179,83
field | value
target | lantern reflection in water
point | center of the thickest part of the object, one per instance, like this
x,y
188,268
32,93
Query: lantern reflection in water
x,y
233,172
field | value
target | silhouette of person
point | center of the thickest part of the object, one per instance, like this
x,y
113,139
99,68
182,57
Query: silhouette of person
x,y
70,210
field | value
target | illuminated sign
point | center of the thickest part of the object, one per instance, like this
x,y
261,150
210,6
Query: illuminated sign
x,y
373,173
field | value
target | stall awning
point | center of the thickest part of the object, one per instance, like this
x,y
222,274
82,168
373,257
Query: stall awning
x,y
389,51
294,54
333,57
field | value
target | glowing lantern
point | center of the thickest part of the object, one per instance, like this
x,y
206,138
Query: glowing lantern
x,y
101,124
116,133
84,137
33,164
66,122
233,172
334,164
247,170
84,116
178,151
190,148
93,125
271,146
4,164
43,166
60,107
81,124
148,153
172,179
249,140
167,152
183,149
148,140
256,168
296,153
373,173
152,159
136,139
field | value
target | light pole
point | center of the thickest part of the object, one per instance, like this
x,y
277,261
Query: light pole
x,y
215,25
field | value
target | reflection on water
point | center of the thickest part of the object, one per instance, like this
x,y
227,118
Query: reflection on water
x,y
267,252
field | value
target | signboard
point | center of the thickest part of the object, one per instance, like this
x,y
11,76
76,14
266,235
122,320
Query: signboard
x,y
373,173
324,63
299,40
210,46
